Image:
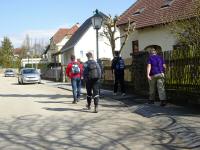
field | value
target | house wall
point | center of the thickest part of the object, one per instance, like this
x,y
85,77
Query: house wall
x,y
159,35
87,43
156,36
49,56
127,49
60,45
66,57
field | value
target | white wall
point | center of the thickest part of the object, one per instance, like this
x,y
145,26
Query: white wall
x,y
60,45
88,43
32,61
66,57
159,35
127,49
156,36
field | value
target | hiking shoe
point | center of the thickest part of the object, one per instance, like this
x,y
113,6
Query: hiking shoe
x,y
74,102
88,107
114,94
96,109
123,94
163,103
150,101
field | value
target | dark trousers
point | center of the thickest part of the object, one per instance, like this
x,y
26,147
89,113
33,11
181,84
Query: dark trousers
x,y
119,79
92,87
76,88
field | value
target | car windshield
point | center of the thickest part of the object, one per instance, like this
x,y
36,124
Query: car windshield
x,y
9,71
27,71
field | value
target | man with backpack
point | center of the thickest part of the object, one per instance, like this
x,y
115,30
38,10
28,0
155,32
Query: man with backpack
x,y
118,67
92,75
74,72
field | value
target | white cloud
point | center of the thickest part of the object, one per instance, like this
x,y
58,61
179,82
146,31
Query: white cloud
x,y
39,33
44,35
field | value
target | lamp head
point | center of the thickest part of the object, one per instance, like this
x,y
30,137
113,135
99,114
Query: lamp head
x,y
97,20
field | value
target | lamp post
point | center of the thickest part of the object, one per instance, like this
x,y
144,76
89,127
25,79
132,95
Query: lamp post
x,y
28,54
97,20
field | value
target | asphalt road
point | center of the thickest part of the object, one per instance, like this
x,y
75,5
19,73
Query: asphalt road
x,y
42,117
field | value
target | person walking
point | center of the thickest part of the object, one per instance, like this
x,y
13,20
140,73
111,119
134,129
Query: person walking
x,y
155,74
81,66
92,75
117,68
74,72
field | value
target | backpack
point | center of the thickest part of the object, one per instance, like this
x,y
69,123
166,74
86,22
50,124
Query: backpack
x,y
93,71
75,68
120,64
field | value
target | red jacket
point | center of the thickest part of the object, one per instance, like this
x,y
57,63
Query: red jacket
x,y
69,70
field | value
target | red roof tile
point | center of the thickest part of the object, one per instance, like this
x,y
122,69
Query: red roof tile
x,y
62,32
153,14
17,51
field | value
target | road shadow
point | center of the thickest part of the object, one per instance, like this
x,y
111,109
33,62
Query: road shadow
x,y
37,132
148,110
52,102
53,96
65,109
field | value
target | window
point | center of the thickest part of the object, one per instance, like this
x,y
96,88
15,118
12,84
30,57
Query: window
x,y
138,11
167,3
81,53
135,47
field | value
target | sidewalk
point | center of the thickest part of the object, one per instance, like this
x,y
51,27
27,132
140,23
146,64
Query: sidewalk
x,y
135,103
179,127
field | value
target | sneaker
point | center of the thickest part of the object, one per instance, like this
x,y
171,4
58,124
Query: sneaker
x,y
123,94
96,109
114,94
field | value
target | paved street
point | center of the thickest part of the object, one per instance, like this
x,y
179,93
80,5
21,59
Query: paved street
x,y
42,117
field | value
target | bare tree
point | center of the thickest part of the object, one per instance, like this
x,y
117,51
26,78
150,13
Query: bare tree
x,y
110,29
25,47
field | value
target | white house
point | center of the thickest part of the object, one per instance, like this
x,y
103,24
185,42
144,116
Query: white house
x,y
152,24
57,41
83,41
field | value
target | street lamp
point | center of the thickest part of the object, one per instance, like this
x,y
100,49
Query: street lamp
x,y
97,20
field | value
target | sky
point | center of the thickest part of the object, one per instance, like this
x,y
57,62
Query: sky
x,y
40,19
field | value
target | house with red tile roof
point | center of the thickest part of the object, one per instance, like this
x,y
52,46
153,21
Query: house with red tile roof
x,y
152,18
17,52
57,41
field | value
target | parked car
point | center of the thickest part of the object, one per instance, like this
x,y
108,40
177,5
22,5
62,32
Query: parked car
x,y
9,73
29,75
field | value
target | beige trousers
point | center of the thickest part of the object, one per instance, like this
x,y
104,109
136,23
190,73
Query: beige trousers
x,y
157,81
